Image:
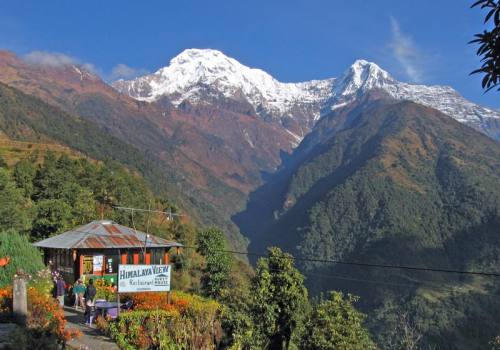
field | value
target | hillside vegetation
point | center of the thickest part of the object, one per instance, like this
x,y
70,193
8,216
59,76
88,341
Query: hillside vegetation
x,y
401,184
27,118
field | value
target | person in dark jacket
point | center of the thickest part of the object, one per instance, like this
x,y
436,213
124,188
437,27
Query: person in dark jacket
x,y
89,297
60,290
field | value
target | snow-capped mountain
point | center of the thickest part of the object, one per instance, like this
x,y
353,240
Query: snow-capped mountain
x,y
201,76
363,76
196,73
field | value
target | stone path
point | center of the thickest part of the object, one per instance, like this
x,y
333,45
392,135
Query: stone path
x,y
6,330
91,338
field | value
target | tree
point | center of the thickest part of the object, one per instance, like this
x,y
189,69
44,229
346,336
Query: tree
x,y
15,210
405,334
279,295
489,45
334,324
237,321
53,216
22,256
212,245
49,181
84,209
24,172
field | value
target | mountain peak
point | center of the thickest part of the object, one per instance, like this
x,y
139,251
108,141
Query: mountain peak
x,y
361,64
202,76
205,57
362,75
198,53
195,74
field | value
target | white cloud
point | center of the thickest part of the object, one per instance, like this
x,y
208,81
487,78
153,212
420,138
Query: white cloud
x,y
50,59
406,52
56,59
90,67
122,71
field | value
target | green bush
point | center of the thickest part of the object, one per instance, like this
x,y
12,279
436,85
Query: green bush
x,y
335,324
22,256
162,329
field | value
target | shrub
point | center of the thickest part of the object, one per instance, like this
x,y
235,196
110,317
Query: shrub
x,y
154,301
189,322
45,325
334,323
22,256
150,329
5,302
45,316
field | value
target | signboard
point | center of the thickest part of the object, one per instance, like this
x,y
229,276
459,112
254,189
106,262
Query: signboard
x,y
109,265
97,262
88,263
143,278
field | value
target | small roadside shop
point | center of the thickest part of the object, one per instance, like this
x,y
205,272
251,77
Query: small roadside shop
x,y
97,248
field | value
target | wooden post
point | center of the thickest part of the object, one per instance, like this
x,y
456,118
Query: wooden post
x,y
118,302
80,273
19,299
117,284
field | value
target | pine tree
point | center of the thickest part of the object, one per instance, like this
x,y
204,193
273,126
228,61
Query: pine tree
x,y
212,245
279,295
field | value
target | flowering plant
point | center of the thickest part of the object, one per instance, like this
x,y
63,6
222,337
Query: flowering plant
x,y
45,322
5,300
104,290
188,322
45,315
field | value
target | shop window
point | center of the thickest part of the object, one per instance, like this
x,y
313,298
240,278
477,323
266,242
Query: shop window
x,y
112,263
88,265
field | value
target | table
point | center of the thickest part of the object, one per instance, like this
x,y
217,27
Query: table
x,y
103,306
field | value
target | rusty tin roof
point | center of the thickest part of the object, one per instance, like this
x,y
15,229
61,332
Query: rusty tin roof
x,y
104,234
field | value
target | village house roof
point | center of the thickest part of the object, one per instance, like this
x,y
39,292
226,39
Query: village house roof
x,y
104,234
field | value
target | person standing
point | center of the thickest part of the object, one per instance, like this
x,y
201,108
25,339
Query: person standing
x,y
60,290
89,296
79,291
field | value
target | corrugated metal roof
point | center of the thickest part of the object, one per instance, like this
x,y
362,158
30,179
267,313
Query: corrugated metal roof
x,y
104,234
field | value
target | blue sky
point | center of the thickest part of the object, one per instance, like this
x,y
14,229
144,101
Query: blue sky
x,y
416,41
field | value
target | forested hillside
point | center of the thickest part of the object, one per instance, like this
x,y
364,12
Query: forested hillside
x,y
399,184
27,118
61,193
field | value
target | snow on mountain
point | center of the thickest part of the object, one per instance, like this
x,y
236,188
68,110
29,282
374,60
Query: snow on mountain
x,y
363,76
200,75
190,74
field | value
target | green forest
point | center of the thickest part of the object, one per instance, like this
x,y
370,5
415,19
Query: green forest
x,y
402,185
60,193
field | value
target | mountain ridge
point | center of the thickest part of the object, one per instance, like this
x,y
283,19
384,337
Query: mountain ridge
x,y
195,73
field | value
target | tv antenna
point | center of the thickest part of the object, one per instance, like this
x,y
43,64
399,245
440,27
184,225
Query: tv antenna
x,y
168,214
